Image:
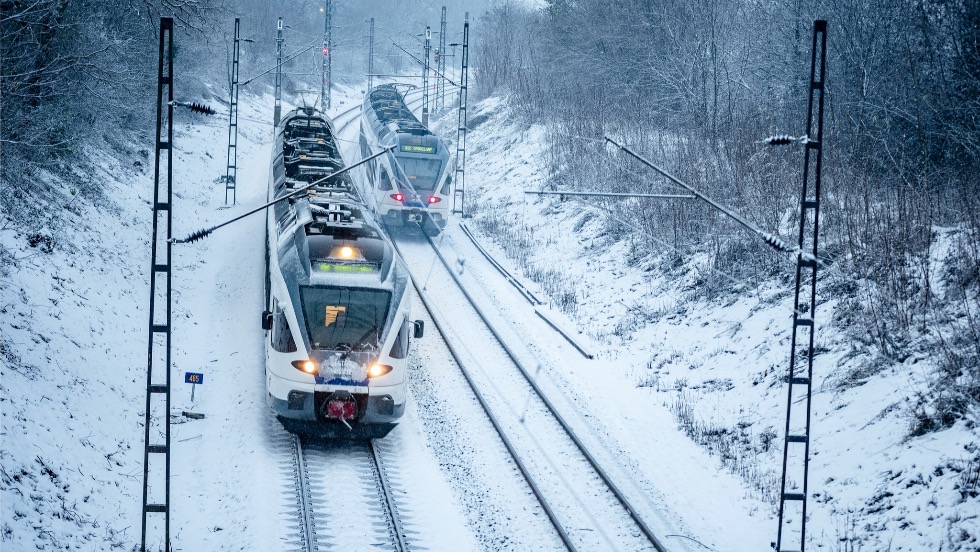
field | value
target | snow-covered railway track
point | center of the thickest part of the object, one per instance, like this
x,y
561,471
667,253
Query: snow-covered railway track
x,y
584,505
344,497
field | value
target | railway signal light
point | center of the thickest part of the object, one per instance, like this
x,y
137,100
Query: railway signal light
x,y
326,51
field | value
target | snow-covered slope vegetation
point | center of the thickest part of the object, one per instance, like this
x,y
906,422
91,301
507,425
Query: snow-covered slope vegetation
x,y
699,313
686,313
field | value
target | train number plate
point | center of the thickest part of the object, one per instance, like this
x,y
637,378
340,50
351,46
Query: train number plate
x,y
341,410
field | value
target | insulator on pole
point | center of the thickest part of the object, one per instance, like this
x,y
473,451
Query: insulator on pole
x,y
783,140
198,235
195,107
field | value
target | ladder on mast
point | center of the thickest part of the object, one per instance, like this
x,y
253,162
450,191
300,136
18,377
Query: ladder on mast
x,y
157,423
458,195
277,112
796,446
441,64
231,175
425,76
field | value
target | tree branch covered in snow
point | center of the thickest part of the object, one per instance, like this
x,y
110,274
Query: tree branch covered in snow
x,y
698,86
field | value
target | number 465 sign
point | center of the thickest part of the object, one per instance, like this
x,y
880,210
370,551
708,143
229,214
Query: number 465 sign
x,y
194,378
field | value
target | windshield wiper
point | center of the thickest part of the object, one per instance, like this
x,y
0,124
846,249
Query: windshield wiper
x,y
374,330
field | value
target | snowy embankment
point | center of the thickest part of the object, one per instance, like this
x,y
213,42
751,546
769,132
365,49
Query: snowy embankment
x,y
74,342
74,345
718,366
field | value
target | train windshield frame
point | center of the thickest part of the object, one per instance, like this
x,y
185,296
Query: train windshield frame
x,y
344,318
424,179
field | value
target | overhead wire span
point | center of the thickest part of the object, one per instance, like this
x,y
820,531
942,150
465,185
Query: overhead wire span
x,y
205,232
667,245
288,58
607,194
772,240
450,81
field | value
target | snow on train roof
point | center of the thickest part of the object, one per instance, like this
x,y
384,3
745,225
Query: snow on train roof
x,y
390,109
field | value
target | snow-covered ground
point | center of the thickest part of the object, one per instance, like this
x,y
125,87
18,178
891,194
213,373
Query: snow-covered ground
x,y
717,368
74,329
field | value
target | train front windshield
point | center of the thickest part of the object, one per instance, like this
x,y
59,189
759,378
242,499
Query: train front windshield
x,y
421,173
338,317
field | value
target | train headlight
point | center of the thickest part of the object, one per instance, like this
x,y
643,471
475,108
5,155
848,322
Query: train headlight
x,y
346,252
307,366
378,370
398,197
434,199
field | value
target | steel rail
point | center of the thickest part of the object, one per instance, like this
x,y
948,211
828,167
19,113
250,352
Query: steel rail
x,y
647,532
503,271
562,533
531,298
305,493
388,497
309,534
343,126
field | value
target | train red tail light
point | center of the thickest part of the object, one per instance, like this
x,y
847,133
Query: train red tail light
x,y
433,200
398,197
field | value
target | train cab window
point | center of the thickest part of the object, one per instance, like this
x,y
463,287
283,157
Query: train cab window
x,y
445,185
399,349
385,183
422,172
282,336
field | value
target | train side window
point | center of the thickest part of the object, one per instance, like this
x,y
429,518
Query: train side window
x,y
371,168
365,150
445,186
385,181
400,348
282,337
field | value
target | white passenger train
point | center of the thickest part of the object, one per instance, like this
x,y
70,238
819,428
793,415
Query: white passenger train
x,y
338,320
412,183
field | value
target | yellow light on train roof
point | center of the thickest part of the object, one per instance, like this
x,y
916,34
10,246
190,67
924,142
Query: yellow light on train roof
x,y
347,253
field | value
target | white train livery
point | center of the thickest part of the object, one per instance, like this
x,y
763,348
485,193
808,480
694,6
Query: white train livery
x,y
338,303
412,183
